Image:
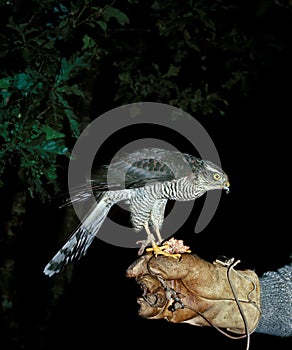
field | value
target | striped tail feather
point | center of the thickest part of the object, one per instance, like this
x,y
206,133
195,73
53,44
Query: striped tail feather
x,y
81,238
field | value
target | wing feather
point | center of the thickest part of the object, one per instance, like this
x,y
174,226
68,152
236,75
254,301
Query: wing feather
x,y
133,170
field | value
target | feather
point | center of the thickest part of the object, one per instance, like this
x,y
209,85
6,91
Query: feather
x,y
82,237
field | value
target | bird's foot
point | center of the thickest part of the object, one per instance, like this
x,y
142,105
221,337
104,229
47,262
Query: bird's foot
x,y
173,248
145,243
160,250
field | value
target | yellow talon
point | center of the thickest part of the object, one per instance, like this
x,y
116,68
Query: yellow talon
x,y
159,250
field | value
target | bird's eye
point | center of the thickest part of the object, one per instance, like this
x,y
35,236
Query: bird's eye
x,y
217,177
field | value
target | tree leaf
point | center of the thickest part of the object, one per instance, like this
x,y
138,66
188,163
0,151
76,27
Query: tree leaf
x,y
23,82
55,146
52,134
88,42
112,12
5,83
172,71
74,89
103,25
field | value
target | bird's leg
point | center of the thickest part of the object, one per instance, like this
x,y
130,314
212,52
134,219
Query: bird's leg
x,y
149,240
158,235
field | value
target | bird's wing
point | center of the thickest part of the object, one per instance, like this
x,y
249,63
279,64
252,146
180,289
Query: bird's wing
x,y
136,174
119,175
141,167
137,169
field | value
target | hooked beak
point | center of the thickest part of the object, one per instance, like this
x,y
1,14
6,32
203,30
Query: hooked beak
x,y
226,186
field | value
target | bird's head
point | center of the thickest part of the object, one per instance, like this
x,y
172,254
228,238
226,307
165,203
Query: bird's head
x,y
212,177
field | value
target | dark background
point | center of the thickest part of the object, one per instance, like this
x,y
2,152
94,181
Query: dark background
x,y
92,304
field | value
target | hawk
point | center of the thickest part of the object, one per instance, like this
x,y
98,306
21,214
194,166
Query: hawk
x,y
145,179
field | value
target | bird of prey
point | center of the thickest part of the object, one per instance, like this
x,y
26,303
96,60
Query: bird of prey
x,y
145,179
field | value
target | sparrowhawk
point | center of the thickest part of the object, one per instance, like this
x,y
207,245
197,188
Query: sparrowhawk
x,y
145,179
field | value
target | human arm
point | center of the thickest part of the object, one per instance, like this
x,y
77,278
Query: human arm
x,y
276,302
195,291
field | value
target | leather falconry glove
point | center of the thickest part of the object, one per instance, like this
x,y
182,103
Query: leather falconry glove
x,y
192,290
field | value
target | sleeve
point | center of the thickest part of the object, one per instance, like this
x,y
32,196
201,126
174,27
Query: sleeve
x,y
276,302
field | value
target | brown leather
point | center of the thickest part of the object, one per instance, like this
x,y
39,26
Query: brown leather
x,y
195,291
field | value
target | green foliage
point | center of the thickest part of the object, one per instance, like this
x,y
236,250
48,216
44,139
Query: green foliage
x,y
46,50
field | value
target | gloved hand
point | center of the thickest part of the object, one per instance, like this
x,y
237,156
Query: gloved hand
x,y
195,291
